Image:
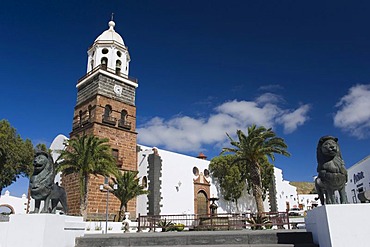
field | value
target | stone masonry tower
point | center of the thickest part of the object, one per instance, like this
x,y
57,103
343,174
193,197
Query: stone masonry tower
x,y
105,108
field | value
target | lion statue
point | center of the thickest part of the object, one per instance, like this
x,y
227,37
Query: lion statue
x,y
332,174
42,186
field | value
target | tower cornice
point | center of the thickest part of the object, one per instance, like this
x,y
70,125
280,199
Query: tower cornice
x,y
99,70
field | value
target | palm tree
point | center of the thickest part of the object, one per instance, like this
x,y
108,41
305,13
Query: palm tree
x,y
128,188
86,155
253,151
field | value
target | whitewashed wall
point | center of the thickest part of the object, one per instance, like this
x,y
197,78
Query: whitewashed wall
x,y
358,179
178,169
307,200
19,204
55,147
285,193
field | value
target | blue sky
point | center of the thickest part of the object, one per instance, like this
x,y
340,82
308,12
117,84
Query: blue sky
x,y
204,68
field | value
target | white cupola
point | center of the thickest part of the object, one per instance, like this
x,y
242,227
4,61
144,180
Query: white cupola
x,y
109,53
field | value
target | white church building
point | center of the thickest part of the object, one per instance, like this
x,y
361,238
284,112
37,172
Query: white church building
x,y
183,186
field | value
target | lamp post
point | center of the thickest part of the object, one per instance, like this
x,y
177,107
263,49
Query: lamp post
x,y
106,188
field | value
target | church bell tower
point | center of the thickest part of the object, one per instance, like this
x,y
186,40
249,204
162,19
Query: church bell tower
x,y
105,108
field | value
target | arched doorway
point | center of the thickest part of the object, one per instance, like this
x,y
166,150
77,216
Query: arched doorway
x,y
201,192
6,209
202,203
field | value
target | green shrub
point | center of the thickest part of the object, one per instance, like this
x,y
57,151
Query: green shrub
x,y
165,225
259,222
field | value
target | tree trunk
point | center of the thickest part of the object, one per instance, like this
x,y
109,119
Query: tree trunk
x,y
257,192
257,187
122,208
272,195
236,204
84,197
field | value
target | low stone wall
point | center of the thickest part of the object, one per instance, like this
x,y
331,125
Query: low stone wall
x,y
41,230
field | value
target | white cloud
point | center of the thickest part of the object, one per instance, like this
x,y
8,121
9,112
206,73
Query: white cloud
x,y
291,120
269,98
353,115
184,133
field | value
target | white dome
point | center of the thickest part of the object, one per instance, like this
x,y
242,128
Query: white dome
x,y
110,35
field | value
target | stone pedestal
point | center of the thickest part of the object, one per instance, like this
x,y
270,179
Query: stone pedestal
x,y
340,225
43,230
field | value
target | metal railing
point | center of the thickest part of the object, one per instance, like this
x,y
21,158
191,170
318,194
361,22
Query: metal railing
x,y
267,220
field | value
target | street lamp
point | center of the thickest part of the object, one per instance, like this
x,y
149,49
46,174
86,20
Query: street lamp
x,y
106,188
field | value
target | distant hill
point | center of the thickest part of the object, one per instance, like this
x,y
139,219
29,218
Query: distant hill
x,y
304,187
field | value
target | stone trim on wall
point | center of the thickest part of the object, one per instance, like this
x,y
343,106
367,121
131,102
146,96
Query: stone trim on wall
x,y
201,184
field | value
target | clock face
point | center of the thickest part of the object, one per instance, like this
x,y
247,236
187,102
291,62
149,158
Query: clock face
x,y
117,90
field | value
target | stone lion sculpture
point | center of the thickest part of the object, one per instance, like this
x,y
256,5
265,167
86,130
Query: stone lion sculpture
x,y
42,186
332,174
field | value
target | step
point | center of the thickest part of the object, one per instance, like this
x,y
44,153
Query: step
x,y
235,245
245,238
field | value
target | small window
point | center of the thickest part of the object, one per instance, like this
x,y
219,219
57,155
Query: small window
x,y
118,67
195,171
119,54
206,173
89,112
354,197
123,114
80,117
115,154
104,51
107,116
123,123
144,182
107,110
104,62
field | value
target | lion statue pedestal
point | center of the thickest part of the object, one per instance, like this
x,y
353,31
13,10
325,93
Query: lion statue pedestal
x,y
339,225
42,230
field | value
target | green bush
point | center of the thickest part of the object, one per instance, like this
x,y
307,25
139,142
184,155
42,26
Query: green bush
x,y
259,222
165,225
